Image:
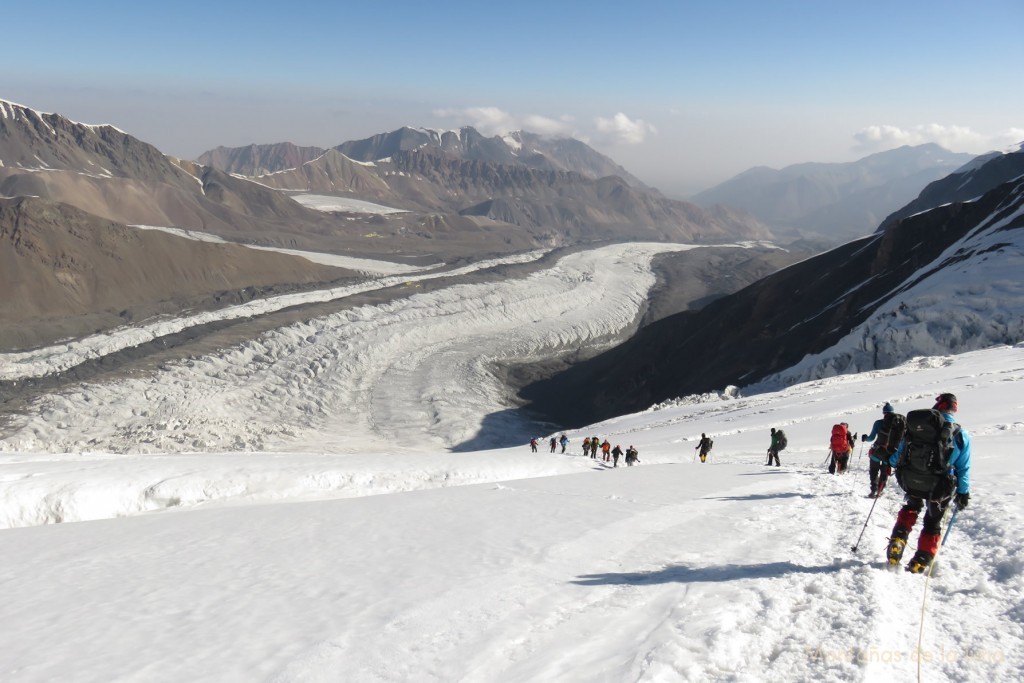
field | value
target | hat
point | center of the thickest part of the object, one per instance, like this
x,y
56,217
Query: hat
x,y
945,403
887,408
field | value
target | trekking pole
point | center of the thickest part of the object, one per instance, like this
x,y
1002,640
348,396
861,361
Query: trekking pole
x,y
861,452
920,633
857,544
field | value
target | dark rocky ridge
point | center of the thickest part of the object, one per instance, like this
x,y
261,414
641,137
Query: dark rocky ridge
x,y
972,181
765,327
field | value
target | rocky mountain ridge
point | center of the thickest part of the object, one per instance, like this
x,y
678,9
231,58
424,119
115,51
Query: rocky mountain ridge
x,y
458,204
805,309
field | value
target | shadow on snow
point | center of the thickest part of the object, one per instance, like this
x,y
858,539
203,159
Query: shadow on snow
x,y
508,428
729,572
772,496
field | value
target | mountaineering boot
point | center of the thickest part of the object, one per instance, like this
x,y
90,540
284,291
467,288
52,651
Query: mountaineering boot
x,y
873,493
894,553
920,563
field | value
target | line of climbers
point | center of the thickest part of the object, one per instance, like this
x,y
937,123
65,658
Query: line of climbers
x,y
930,455
591,447
927,450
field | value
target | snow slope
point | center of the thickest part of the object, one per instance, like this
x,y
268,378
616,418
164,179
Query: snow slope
x,y
360,265
327,203
566,570
331,502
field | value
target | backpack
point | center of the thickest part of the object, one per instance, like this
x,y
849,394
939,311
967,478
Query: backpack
x,y
839,442
711,443
781,439
923,467
894,426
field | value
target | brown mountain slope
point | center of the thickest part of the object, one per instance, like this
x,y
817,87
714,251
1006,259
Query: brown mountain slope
x,y
255,160
333,172
64,272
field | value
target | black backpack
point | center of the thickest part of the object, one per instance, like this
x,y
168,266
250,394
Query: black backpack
x,y
923,468
894,427
711,442
781,435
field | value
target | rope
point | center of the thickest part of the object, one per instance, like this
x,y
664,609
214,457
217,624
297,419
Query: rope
x,y
928,576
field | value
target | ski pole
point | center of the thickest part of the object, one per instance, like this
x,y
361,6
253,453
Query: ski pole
x,y
857,544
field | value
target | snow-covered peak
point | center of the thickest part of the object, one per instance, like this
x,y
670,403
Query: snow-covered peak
x,y
12,110
512,141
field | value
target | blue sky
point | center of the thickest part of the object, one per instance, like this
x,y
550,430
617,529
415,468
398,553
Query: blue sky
x,y
683,94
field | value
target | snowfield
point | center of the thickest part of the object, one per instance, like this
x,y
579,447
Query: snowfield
x,y
361,265
322,202
353,499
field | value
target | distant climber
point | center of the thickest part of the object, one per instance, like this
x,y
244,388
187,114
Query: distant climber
x,y
704,446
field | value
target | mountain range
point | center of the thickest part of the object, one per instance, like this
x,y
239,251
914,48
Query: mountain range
x,y
559,191
836,202
76,195
518,148
458,196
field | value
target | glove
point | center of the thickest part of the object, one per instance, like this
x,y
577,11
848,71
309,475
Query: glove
x,y
962,499
863,437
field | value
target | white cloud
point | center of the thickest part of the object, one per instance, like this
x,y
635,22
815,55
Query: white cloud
x,y
954,138
1011,139
495,121
621,129
547,126
487,120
